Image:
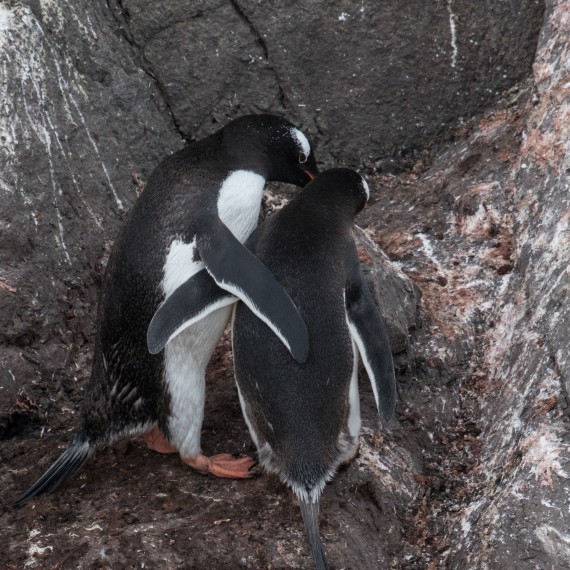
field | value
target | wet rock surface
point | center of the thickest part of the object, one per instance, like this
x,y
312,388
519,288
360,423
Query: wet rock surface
x,y
465,245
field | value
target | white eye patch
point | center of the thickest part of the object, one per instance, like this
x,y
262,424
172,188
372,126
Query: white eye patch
x,y
301,140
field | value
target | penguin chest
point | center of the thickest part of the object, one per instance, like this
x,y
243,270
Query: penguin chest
x,y
182,261
198,340
186,356
239,202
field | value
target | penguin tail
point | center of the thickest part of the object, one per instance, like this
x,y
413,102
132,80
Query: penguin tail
x,y
69,462
310,512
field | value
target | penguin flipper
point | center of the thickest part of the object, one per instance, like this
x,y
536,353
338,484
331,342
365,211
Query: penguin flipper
x,y
192,301
368,330
235,269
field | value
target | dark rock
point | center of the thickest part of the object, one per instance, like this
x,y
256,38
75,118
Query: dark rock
x,y
78,118
395,294
368,79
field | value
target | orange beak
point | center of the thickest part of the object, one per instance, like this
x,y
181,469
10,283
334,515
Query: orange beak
x,y
309,174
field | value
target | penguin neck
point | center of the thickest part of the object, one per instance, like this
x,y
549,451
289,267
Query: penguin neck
x,y
242,155
337,210
239,201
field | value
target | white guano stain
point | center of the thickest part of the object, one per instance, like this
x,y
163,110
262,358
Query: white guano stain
x,y
467,515
35,549
543,452
44,137
453,30
392,465
27,113
66,91
555,542
428,249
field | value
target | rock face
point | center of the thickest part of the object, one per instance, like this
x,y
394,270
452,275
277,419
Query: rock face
x,y
489,249
473,473
522,481
371,79
80,125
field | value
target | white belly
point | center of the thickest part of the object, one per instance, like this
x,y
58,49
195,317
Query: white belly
x,y
354,396
179,265
186,356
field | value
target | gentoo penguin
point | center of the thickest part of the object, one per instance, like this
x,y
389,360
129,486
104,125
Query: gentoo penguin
x,y
305,418
198,207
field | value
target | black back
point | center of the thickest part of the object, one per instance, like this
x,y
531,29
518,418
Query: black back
x,y
309,247
180,199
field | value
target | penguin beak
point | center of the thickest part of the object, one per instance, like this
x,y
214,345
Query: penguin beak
x,y
309,174
309,168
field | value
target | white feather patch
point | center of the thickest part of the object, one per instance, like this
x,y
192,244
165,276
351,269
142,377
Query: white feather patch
x,y
362,349
239,202
187,353
179,265
366,188
301,140
354,396
249,423
186,357
202,314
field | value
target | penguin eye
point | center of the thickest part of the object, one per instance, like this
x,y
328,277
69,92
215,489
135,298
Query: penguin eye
x,y
303,158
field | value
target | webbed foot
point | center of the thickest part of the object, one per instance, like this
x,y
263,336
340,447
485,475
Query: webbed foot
x,y
222,465
157,442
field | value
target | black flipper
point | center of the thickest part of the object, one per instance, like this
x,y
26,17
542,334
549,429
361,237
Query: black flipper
x,y
238,271
69,462
310,512
192,301
369,332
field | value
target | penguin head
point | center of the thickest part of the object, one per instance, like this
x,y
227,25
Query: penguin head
x,y
341,187
272,147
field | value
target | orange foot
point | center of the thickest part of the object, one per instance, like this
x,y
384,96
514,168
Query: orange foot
x,y
222,465
157,442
